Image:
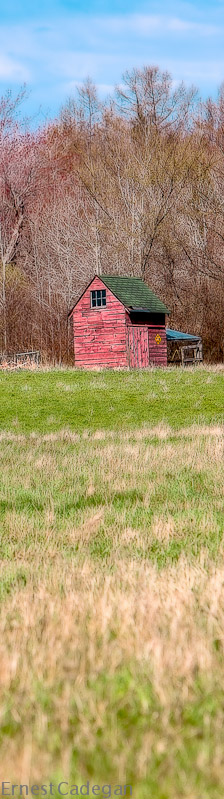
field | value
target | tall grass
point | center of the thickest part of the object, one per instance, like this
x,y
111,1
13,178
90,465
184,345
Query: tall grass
x,y
112,604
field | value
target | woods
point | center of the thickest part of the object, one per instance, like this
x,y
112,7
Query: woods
x,y
129,186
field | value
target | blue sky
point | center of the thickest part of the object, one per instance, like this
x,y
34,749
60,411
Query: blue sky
x,y
54,45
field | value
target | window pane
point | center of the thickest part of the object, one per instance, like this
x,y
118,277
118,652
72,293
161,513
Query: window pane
x,y
98,298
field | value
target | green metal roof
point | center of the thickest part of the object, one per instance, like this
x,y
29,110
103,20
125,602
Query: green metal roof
x,y
134,293
176,335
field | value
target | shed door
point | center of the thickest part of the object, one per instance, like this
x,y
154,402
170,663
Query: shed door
x,y
138,346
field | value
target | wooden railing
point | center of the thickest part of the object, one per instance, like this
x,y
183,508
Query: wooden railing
x,y
191,354
25,360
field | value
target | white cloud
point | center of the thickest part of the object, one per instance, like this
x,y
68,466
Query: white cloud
x,y
12,70
204,72
130,23
149,24
102,88
54,55
186,26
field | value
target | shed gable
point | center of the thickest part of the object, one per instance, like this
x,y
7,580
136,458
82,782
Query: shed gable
x,y
95,283
131,292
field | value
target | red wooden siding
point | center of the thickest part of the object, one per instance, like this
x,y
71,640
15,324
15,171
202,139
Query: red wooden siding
x,y
146,346
99,333
157,351
137,346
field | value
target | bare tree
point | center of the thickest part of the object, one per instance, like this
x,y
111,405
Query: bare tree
x,y
134,186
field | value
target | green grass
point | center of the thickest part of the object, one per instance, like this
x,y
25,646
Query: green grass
x,y
48,401
129,483
112,580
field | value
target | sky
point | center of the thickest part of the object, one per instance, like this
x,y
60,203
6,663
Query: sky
x,y
53,45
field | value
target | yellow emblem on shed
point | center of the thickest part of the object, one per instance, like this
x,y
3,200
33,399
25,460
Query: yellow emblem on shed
x,y
158,339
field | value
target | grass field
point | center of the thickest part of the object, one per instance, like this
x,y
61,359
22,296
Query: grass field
x,y
112,580
110,400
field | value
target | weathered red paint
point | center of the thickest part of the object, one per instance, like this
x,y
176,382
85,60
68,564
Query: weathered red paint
x,y
107,337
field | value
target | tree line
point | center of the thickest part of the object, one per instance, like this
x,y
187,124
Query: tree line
x,y
133,185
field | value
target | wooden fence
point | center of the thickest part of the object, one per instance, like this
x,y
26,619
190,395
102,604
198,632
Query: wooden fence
x,y
20,360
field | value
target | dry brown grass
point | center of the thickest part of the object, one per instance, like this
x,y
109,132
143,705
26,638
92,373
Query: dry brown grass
x,y
56,643
111,659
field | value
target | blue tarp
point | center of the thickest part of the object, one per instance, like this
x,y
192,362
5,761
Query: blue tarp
x,y
176,335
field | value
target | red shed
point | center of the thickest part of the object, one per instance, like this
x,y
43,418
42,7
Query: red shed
x,y
119,321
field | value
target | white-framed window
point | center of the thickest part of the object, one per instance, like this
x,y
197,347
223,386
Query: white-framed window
x,y
98,298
